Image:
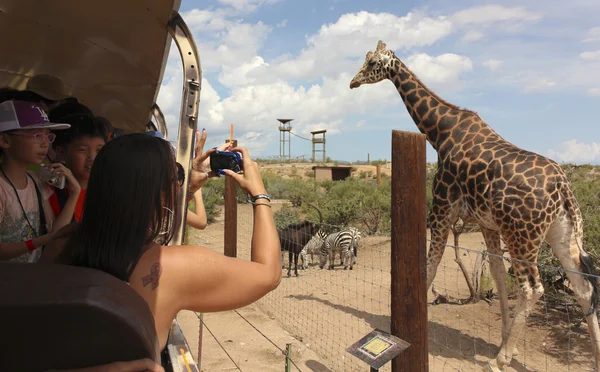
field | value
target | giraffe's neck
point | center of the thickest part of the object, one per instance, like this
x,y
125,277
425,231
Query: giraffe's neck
x,y
434,117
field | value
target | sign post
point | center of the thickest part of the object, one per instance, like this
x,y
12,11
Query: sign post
x,y
377,348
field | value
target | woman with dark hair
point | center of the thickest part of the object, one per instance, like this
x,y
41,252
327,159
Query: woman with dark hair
x,y
129,213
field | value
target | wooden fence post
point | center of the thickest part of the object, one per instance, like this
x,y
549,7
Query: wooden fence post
x,y
409,260
230,195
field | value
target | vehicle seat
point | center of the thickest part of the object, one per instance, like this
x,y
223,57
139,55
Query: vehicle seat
x,y
61,317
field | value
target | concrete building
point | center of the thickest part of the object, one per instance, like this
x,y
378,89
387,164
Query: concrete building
x,y
338,173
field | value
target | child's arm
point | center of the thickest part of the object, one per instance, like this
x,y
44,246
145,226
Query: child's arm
x,y
12,250
66,215
198,219
16,249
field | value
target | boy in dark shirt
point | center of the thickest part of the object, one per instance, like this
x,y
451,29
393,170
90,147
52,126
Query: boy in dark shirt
x,y
77,148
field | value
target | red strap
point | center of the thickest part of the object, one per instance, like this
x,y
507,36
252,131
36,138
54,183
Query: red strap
x,y
30,246
55,204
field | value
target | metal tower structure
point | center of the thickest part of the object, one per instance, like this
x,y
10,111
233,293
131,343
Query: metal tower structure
x,y
316,141
284,137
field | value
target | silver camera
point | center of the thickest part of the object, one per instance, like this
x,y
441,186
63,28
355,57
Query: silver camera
x,y
56,181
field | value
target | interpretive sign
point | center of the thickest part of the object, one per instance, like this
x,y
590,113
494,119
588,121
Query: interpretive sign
x,y
377,348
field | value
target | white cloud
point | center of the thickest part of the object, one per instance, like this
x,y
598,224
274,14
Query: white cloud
x,y
332,49
282,23
537,84
576,152
492,64
443,70
593,34
259,91
475,21
594,91
590,56
361,123
473,35
246,5
492,15
241,75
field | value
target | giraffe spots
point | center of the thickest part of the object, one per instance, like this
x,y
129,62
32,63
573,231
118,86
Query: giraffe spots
x,y
447,178
459,156
500,154
443,110
423,93
458,134
474,128
433,103
509,157
404,74
397,84
408,86
486,155
432,117
441,189
432,135
417,119
412,99
454,190
422,109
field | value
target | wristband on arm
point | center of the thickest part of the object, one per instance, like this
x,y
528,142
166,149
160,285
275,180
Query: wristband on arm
x,y
30,246
259,196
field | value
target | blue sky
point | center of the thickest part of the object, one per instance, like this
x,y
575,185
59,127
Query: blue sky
x,y
531,69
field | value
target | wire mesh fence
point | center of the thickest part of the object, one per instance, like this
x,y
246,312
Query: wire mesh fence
x,y
465,332
328,310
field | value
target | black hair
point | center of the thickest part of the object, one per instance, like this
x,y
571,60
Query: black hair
x,y
132,183
8,93
81,126
34,97
59,113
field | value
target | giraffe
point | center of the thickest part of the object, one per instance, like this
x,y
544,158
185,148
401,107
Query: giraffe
x,y
514,195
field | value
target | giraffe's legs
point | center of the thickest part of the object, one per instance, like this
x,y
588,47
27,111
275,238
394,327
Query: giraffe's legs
x,y
498,271
440,229
566,248
527,297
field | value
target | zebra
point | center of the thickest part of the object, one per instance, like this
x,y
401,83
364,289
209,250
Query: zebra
x,y
312,247
344,242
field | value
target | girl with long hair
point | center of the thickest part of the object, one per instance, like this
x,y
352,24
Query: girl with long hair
x,y
130,210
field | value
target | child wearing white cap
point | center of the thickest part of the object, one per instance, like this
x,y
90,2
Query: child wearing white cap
x,y
26,221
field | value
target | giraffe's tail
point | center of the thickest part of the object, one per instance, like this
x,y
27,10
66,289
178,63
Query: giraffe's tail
x,y
587,264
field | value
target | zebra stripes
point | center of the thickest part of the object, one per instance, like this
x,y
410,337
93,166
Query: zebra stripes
x,y
345,243
312,247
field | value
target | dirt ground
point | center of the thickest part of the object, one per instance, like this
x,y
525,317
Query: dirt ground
x,y
322,312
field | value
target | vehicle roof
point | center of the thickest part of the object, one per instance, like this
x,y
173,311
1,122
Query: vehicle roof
x,y
110,54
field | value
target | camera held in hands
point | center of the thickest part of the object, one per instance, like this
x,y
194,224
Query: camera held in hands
x,y
226,160
57,181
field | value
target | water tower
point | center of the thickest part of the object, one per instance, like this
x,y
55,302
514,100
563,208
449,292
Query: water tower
x,y
284,137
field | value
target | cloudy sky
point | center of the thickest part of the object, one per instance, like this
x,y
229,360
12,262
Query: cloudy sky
x,y
531,69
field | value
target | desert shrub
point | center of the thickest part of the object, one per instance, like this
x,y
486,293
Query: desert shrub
x,y
286,216
375,208
276,186
212,196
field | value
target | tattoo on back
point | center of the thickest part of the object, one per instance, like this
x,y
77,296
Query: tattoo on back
x,y
155,271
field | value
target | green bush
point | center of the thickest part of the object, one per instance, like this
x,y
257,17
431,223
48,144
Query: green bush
x,y
286,216
212,196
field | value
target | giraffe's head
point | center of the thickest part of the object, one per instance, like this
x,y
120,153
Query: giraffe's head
x,y
375,68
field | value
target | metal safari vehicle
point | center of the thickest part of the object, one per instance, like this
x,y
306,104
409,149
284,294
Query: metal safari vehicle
x,y
111,54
